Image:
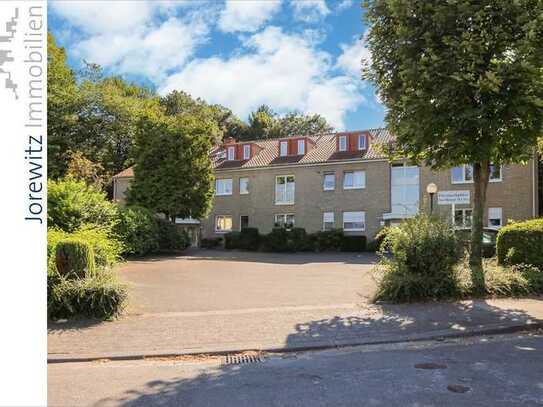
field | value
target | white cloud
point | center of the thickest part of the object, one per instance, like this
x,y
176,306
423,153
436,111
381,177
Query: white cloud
x,y
344,5
135,37
352,56
282,70
309,11
147,52
247,15
99,17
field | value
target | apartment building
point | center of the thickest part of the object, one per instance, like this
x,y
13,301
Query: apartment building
x,y
343,180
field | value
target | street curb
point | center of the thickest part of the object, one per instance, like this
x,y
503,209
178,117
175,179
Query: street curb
x,y
436,335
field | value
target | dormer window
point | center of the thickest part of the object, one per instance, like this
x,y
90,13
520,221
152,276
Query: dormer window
x,y
342,143
361,142
283,148
301,147
246,151
231,153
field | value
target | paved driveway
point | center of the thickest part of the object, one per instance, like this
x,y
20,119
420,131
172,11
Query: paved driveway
x,y
209,280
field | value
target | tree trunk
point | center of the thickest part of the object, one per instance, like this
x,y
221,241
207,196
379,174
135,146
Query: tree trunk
x,y
480,181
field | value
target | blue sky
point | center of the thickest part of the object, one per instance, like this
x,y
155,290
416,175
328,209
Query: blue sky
x,y
290,54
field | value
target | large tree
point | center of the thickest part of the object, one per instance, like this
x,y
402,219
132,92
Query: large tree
x,y
463,83
62,107
264,123
172,172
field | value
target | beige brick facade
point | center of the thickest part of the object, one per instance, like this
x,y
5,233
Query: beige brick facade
x,y
514,194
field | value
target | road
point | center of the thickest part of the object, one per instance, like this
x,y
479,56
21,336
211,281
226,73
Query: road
x,y
502,370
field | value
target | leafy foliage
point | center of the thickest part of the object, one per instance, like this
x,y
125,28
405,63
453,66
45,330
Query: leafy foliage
x,y
106,247
173,172
264,123
422,267
100,296
138,229
170,237
82,169
75,258
521,243
72,204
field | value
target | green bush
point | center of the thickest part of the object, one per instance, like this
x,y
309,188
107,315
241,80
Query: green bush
x,y
276,240
211,243
137,228
170,237
100,296
74,258
328,240
249,239
422,267
353,244
521,243
107,249
232,240
72,204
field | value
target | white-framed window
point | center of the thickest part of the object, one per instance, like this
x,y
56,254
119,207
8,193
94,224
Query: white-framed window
x,y
342,143
361,142
283,148
231,153
354,221
246,151
329,181
284,220
464,174
301,147
328,221
223,186
223,223
284,189
244,186
495,217
354,179
463,217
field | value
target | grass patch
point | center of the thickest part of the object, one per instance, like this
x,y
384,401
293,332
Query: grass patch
x,y
500,281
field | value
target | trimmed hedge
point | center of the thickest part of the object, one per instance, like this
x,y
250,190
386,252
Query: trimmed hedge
x,y
521,243
211,243
353,244
291,240
100,296
249,239
74,258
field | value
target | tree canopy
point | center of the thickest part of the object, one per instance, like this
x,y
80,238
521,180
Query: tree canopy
x,y
462,81
264,123
172,172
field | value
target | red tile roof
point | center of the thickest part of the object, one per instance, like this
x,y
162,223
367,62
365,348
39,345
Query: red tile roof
x,y
127,173
323,150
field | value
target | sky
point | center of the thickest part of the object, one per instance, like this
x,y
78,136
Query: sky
x,y
300,55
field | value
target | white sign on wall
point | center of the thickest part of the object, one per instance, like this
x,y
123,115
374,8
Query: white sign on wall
x,y
453,197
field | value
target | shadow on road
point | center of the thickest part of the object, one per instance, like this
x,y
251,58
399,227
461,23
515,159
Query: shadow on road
x,y
217,384
265,257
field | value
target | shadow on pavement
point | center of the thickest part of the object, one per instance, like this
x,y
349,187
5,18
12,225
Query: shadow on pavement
x,y
265,257
218,384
